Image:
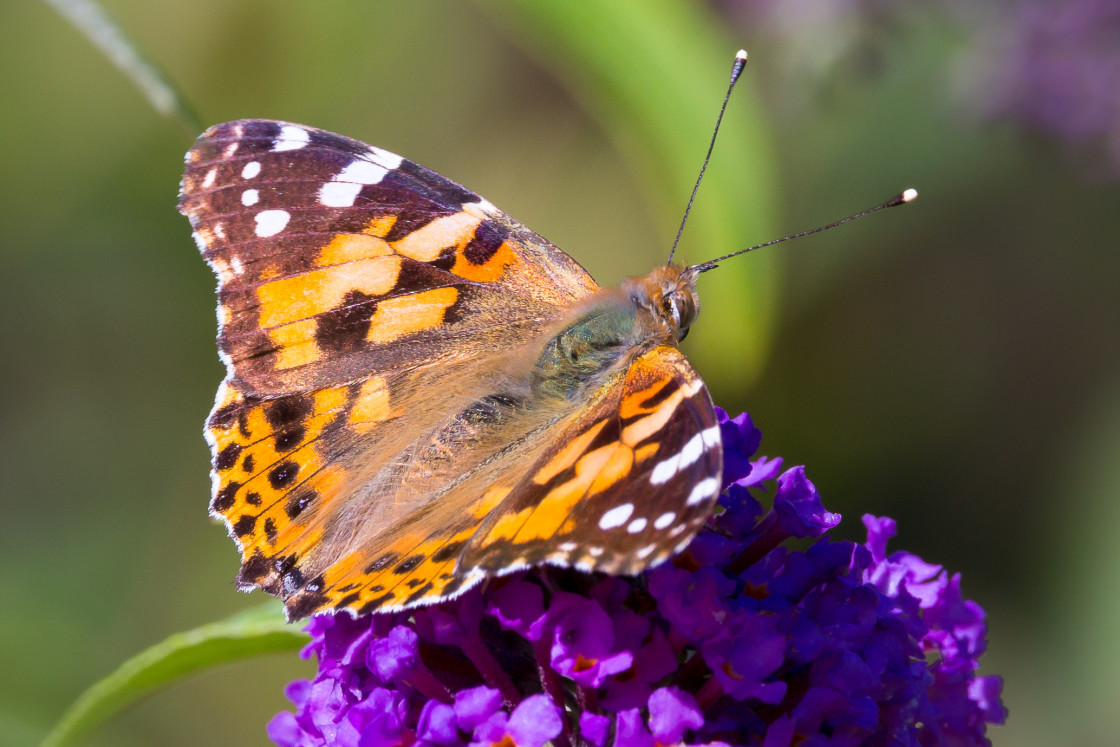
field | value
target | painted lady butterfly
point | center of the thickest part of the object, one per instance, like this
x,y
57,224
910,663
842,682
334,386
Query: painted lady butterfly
x,y
421,392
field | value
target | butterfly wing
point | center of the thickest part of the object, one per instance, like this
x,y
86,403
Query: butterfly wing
x,y
351,283
630,480
338,261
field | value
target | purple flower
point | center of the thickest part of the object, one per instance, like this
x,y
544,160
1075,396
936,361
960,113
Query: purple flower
x,y
672,712
797,504
395,654
741,640
745,672
474,706
593,728
583,641
533,722
438,724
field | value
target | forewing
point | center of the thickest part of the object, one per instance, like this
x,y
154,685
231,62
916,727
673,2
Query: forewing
x,y
628,483
337,260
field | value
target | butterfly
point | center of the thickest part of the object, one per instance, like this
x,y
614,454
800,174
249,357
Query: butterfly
x,y
421,392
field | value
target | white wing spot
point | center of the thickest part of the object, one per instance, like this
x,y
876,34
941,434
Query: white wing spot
x,y
616,517
636,525
251,170
646,551
691,451
687,456
711,436
291,138
271,222
208,180
220,230
339,194
231,149
703,490
692,387
236,266
389,160
343,188
362,172
665,470
250,197
568,546
677,531
594,551
664,520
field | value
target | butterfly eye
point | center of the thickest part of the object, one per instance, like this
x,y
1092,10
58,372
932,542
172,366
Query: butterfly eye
x,y
670,309
684,312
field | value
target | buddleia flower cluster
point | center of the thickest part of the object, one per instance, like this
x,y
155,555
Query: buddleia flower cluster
x,y
740,640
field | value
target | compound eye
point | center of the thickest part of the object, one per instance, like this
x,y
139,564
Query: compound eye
x,y
670,309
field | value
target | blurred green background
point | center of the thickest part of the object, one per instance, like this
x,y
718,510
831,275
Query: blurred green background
x,y
954,364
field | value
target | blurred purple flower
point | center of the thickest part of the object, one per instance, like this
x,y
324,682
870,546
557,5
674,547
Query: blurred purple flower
x,y
1058,70
740,640
1052,66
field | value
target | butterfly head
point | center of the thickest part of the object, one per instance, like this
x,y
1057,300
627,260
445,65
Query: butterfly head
x,y
669,295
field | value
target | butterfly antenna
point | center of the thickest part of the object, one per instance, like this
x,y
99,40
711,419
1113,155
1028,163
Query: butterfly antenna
x,y
736,71
902,198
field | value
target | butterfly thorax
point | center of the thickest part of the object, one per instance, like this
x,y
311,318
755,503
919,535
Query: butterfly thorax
x,y
612,328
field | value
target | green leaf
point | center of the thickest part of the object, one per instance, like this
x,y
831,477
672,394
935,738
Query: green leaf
x,y
653,73
260,630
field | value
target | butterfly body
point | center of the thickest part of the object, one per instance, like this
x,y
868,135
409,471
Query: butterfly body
x,y
421,392
620,323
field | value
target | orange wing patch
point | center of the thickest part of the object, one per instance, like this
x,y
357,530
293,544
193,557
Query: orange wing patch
x,y
477,266
348,247
371,406
405,315
300,297
428,243
594,473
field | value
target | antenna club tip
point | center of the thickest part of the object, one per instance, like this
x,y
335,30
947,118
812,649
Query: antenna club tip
x,y
738,65
909,195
